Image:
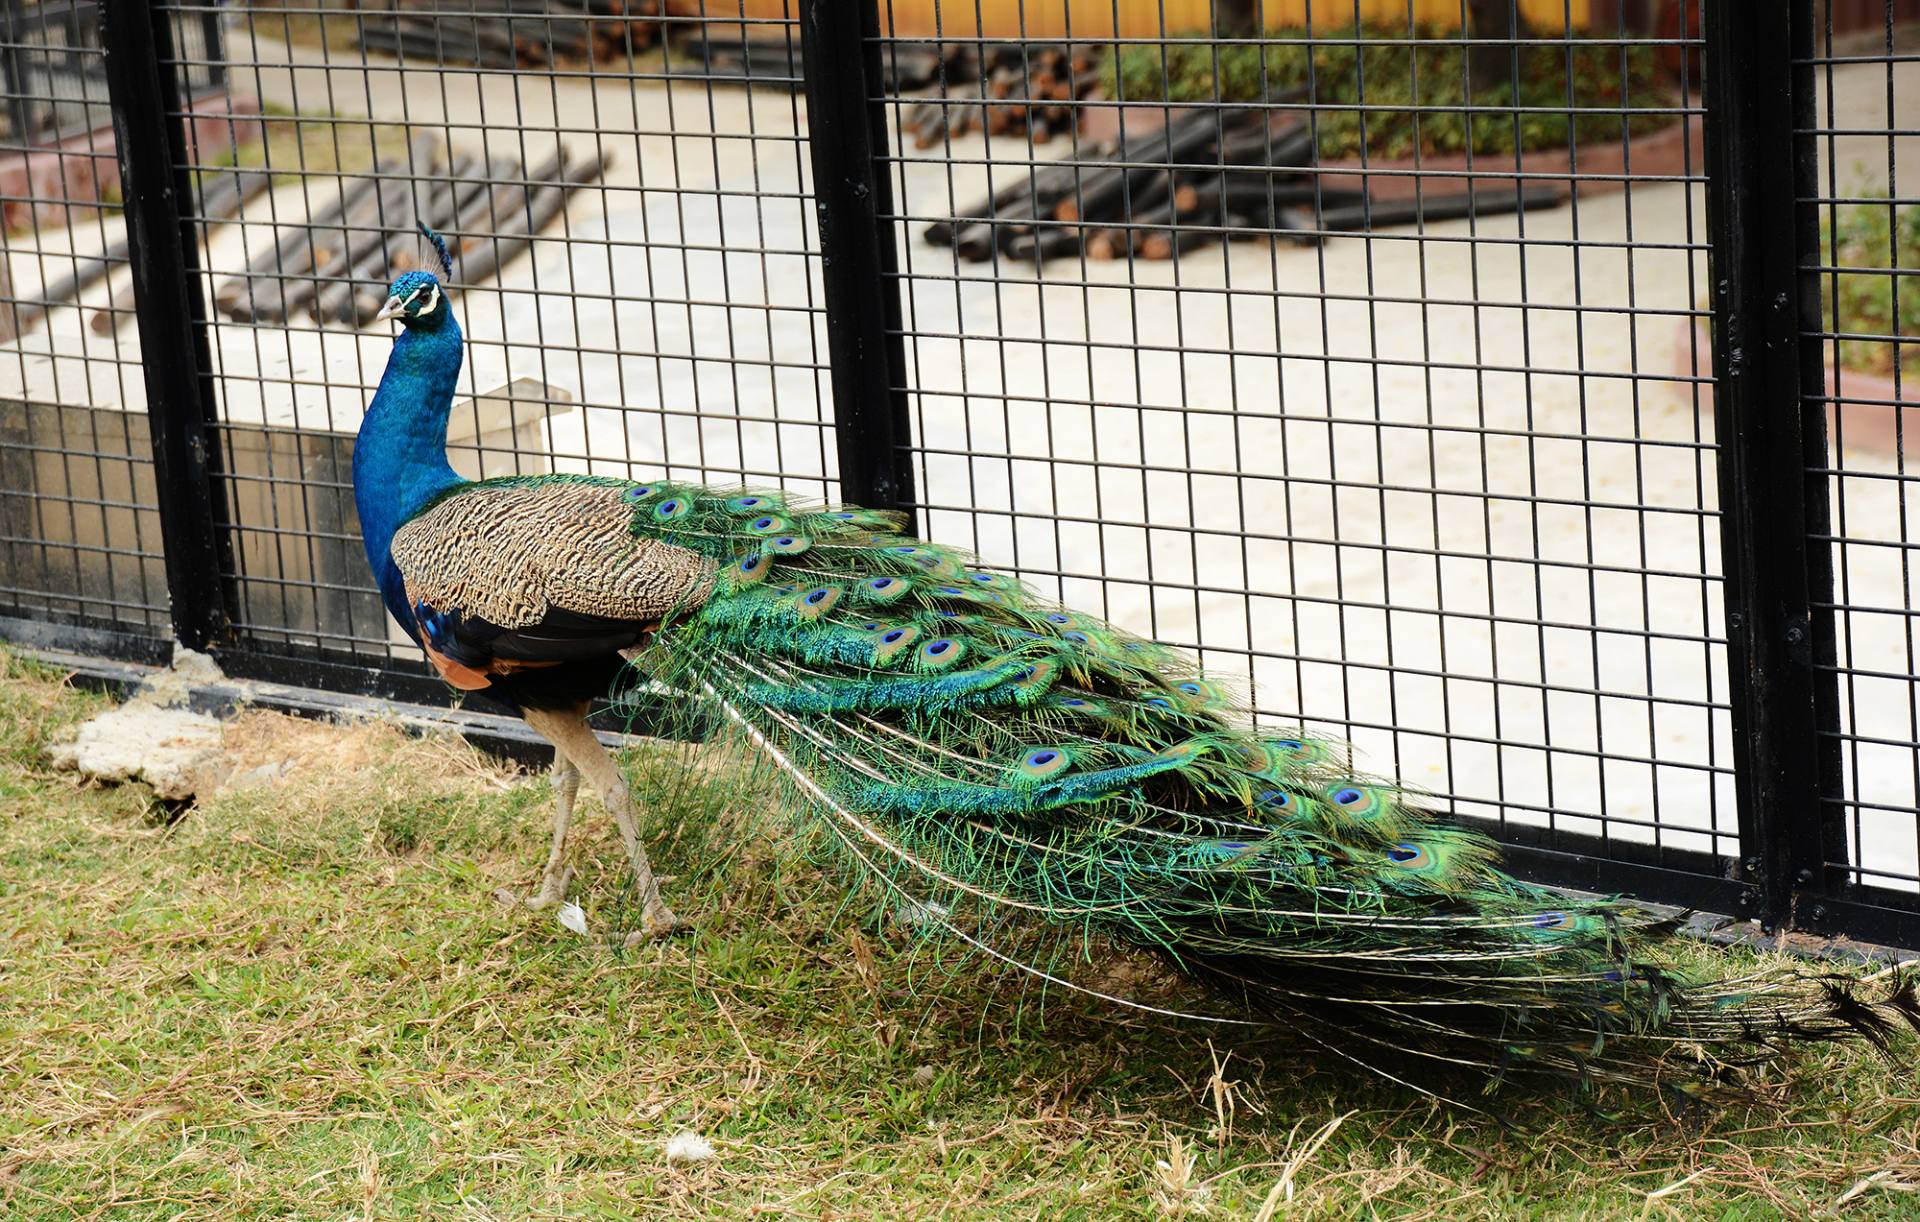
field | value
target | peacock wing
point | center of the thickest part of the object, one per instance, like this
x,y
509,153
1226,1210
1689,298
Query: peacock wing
x,y
536,570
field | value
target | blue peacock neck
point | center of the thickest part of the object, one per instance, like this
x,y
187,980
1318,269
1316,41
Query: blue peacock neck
x,y
400,458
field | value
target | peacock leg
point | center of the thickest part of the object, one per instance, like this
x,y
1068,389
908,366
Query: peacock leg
x,y
566,785
571,736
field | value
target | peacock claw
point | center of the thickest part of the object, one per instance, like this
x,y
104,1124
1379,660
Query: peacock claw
x,y
657,923
553,889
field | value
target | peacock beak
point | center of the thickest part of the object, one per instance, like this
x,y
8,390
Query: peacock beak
x,y
391,309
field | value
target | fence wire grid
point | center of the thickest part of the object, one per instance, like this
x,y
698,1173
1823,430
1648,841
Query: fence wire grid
x,y
1366,349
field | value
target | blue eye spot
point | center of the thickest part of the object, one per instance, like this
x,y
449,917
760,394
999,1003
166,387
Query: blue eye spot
x,y
1192,687
763,524
1550,920
880,583
816,597
635,494
1058,618
1079,638
983,578
1161,702
667,508
786,542
936,648
1347,797
905,550
1276,798
844,517
1290,744
1074,702
1235,845
749,502
1042,758
749,564
949,591
895,635
872,625
1402,853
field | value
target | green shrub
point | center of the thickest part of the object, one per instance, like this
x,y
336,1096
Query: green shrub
x,y
1433,73
1879,236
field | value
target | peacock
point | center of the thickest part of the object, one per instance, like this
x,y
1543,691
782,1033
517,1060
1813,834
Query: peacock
x,y
990,758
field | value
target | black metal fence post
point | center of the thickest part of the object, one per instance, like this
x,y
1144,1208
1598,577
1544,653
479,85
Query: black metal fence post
x,y
847,139
1768,383
143,84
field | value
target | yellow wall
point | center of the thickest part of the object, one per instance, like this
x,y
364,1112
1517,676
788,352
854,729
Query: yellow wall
x,y
1142,18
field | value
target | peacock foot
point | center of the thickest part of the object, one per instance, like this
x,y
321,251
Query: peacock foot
x,y
553,889
657,922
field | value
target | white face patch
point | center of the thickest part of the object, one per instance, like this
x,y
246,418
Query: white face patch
x,y
429,303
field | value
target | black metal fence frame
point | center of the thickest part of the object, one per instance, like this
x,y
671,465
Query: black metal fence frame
x,y
1769,403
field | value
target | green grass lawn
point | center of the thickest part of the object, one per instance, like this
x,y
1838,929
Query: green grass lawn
x,y
298,1000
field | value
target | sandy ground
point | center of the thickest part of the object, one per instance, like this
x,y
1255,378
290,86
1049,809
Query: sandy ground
x,y
1446,498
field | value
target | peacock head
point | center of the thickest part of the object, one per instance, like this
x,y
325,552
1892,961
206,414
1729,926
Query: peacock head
x,y
415,298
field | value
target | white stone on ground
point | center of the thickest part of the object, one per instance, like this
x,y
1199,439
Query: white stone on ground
x,y
151,738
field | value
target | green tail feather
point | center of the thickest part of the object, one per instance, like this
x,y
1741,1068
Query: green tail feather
x,y
984,753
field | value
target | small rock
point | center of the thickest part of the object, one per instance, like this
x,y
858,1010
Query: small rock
x,y
687,1148
174,750
154,737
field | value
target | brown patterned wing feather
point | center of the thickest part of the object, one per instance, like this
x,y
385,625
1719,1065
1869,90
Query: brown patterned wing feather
x,y
530,572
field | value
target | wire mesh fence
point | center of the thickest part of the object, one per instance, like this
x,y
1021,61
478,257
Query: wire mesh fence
x,y
1866,80
1364,348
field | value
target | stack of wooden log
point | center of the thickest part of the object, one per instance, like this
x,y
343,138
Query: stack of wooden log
x,y
1211,174
1031,89
772,54
518,33
336,263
